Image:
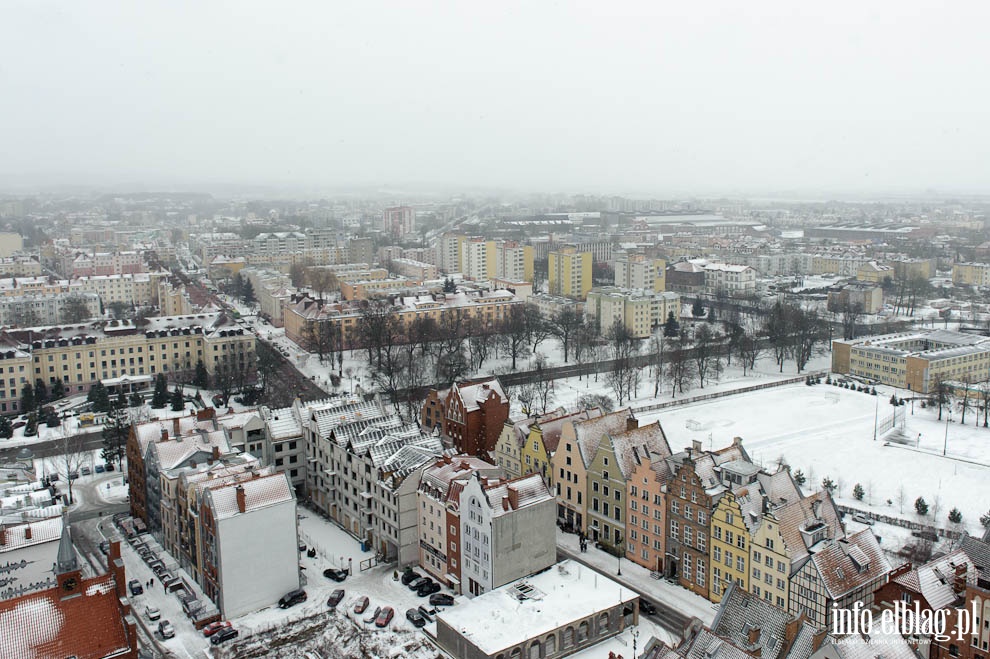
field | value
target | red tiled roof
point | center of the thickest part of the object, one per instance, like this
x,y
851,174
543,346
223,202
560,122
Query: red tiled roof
x,y
44,625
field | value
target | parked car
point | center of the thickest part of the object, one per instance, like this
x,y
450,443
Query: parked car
x,y
361,604
223,635
427,613
410,576
214,627
110,466
152,612
647,607
862,519
292,598
384,617
416,583
416,618
73,475
374,615
336,575
428,588
135,587
85,471
441,599
100,469
335,598
166,629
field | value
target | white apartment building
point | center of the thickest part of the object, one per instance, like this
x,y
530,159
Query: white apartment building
x,y
478,259
731,280
641,311
639,271
249,575
507,531
44,309
513,261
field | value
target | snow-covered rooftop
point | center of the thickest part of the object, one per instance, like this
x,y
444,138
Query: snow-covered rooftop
x,y
499,619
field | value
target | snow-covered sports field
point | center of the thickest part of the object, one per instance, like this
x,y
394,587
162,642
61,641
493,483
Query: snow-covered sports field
x,y
828,431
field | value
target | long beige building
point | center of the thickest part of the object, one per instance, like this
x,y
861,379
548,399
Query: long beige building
x,y
80,355
640,311
915,360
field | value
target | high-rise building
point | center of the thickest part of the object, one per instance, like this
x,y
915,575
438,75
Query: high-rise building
x,y
478,259
569,272
399,220
513,261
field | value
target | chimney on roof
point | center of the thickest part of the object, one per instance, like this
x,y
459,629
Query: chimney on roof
x,y
216,452
632,423
737,441
505,504
27,532
958,579
696,445
816,509
175,426
206,414
164,435
3,535
513,497
753,636
241,499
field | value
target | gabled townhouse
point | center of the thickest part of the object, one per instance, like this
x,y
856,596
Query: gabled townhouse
x,y
768,553
512,439
609,474
507,531
646,540
577,447
439,513
837,574
544,437
471,414
695,488
285,446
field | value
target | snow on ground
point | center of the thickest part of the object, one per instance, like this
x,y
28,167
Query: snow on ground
x,y
638,578
829,431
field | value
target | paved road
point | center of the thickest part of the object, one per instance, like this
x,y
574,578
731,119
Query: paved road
x,y
50,447
666,616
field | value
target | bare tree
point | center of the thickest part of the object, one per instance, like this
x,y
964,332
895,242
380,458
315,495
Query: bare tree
x,y
809,333
964,401
941,392
985,401
623,376
297,273
564,325
851,313
542,385
777,328
75,309
658,353
513,334
707,357
321,280
537,327
72,456
680,369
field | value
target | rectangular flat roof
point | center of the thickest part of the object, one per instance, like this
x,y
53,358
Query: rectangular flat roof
x,y
534,606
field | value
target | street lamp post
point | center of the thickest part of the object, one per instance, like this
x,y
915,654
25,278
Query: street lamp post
x,y
945,444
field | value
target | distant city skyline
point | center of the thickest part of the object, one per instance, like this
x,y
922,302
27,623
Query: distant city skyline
x,y
630,98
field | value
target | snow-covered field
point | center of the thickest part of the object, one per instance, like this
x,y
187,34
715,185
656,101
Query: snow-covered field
x,y
828,431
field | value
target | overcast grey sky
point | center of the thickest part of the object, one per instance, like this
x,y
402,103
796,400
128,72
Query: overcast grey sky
x,y
653,97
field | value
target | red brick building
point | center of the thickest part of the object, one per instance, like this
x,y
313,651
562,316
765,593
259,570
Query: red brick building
x,y
470,413
87,618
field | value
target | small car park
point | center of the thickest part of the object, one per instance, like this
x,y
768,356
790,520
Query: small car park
x,y
335,575
335,598
215,627
135,587
292,598
384,617
166,629
415,617
441,599
223,635
152,612
361,604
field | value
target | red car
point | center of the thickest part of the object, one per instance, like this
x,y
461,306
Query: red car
x,y
384,617
214,627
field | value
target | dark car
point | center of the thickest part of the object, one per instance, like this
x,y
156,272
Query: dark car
x,y
215,627
135,587
427,613
384,617
335,598
336,575
441,599
409,577
361,604
292,598
647,607
416,618
223,635
428,588
416,583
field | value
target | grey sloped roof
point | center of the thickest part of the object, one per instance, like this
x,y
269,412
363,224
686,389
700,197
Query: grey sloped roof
x,y
740,612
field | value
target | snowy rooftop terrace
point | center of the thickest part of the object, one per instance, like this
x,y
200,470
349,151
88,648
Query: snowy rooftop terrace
x,y
501,618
